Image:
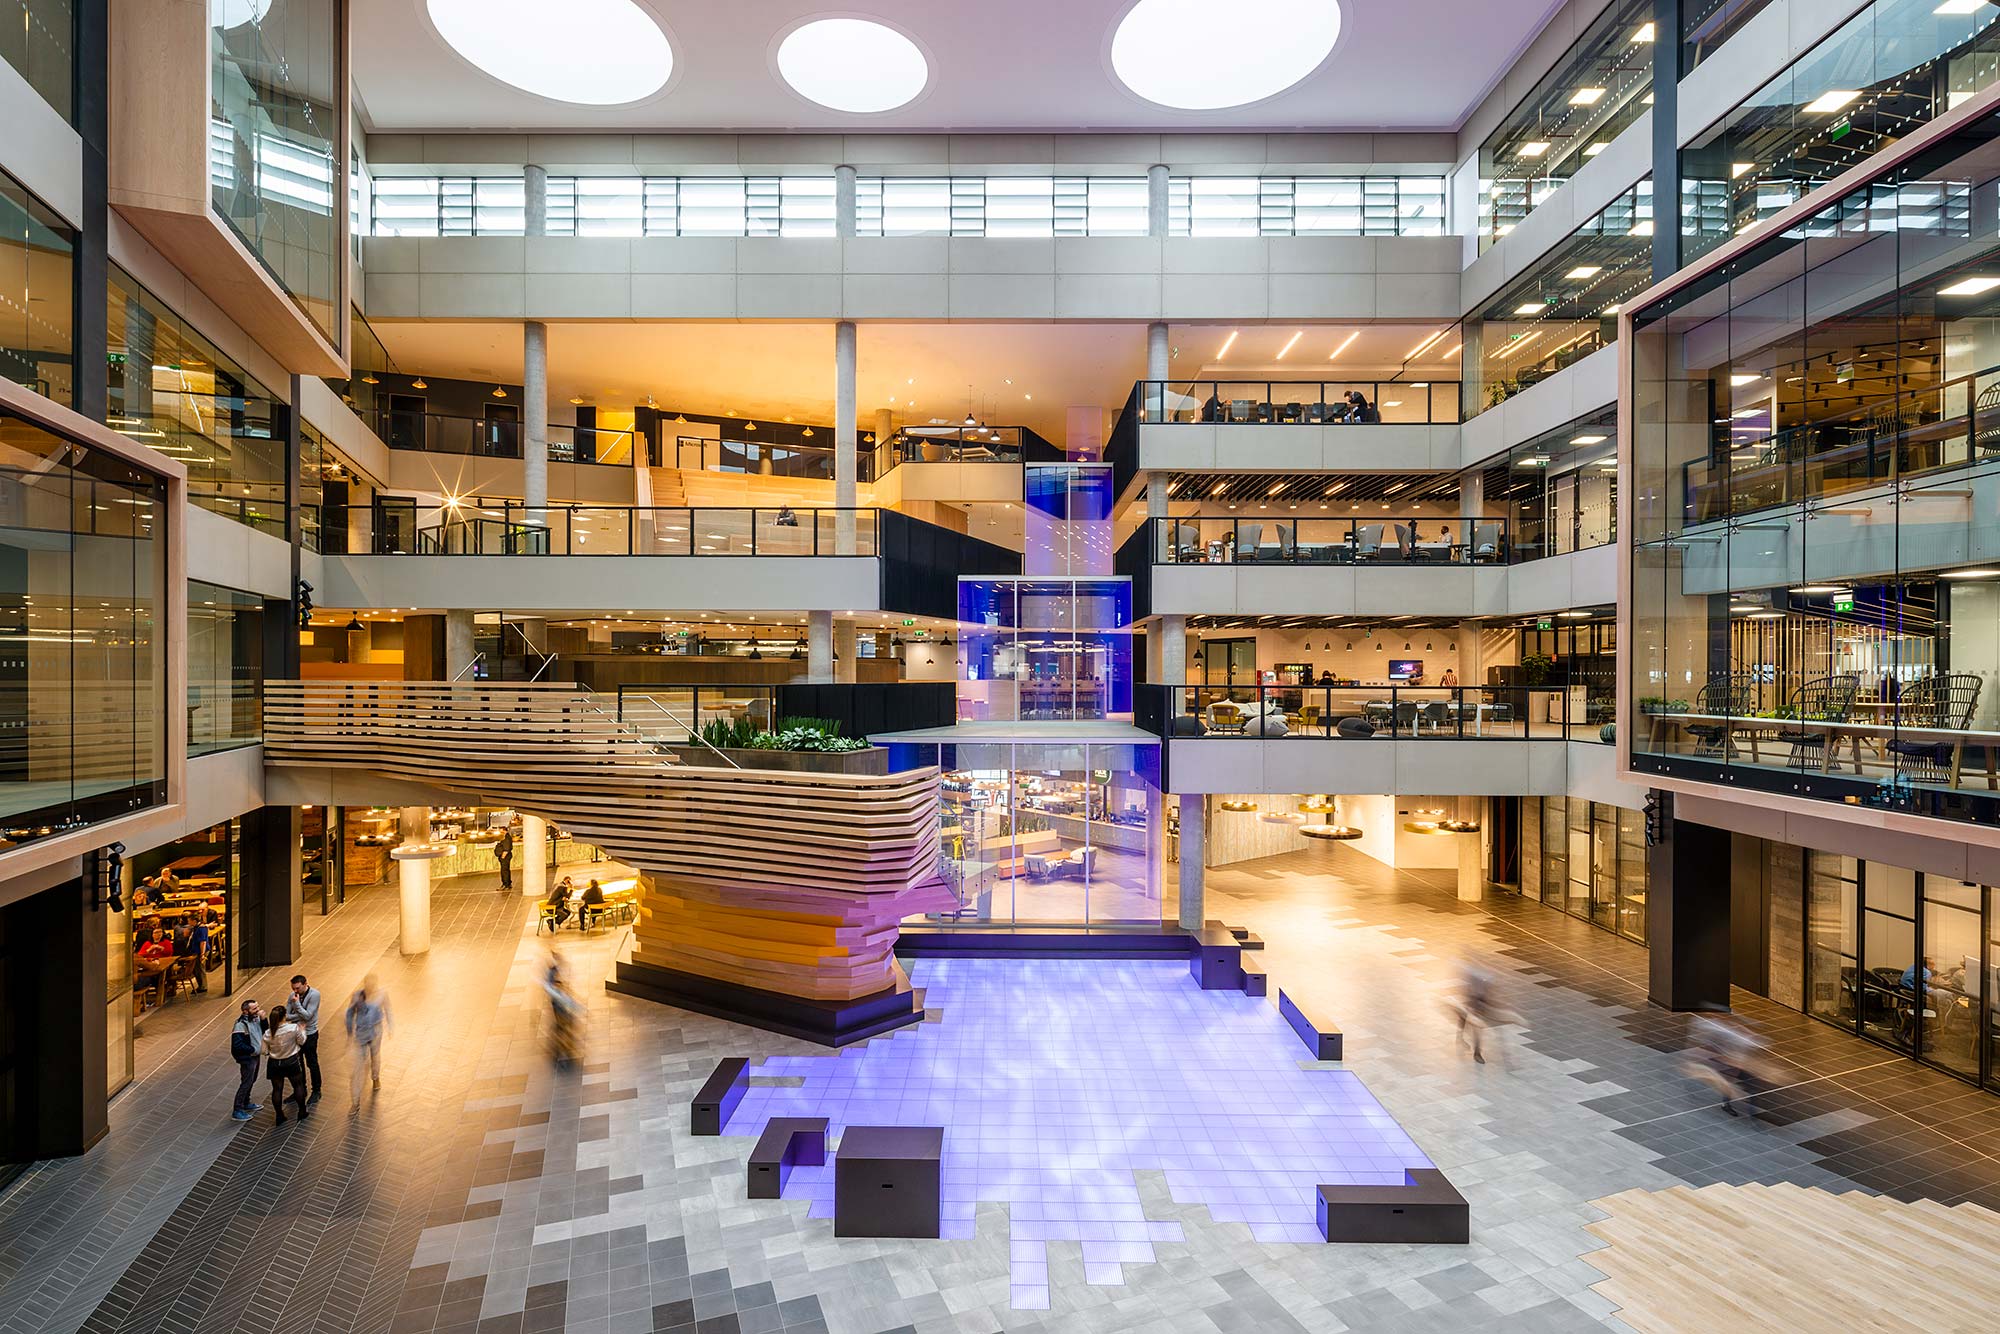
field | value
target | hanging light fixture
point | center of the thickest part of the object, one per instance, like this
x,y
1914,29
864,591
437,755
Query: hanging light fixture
x,y
1330,832
576,400
368,377
749,426
1318,805
418,383
1282,817
807,433
499,392
1238,806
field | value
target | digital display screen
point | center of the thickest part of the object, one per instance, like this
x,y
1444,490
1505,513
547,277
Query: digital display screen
x,y
1405,669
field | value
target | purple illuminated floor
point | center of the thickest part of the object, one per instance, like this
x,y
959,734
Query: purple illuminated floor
x,y
1056,1080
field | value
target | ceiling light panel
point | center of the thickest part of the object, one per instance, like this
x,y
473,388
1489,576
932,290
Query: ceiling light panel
x,y
1262,48
853,65
590,52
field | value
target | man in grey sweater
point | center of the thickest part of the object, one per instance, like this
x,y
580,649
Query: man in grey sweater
x,y
305,1009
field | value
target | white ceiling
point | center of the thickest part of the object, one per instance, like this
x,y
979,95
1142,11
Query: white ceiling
x,y
777,370
1024,65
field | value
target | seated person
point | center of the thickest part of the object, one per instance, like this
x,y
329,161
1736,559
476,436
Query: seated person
x,y
149,894
188,949
786,519
558,900
592,904
155,959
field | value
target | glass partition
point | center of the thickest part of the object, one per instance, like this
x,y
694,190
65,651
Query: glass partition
x,y
1601,85
1891,68
1383,205
225,668
1386,539
1559,491
1298,402
41,45
1309,710
82,597
1707,24
37,265
276,175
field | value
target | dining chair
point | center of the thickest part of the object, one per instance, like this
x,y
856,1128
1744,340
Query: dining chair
x,y
1825,699
1485,541
1733,696
1946,702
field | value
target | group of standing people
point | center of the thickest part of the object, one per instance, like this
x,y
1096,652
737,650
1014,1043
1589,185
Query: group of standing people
x,y
283,1043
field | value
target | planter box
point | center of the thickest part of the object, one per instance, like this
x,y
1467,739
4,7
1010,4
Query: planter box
x,y
872,761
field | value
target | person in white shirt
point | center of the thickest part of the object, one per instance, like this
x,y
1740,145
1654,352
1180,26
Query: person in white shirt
x,y
284,1041
305,1009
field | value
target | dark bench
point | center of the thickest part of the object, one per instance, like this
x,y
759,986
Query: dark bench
x,y
1425,1210
1217,960
887,1182
1245,937
1322,1039
1256,982
787,1142
719,1096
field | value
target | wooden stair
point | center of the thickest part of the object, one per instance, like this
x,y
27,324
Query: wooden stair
x,y
1687,1260
668,487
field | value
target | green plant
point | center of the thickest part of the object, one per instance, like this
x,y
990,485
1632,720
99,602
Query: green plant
x,y
725,734
1535,668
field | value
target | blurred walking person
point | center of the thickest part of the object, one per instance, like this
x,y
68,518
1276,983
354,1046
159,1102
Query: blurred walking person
x,y
1730,1061
1479,1010
367,1024
565,1016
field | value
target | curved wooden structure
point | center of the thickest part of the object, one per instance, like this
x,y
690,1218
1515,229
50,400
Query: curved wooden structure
x,y
790,883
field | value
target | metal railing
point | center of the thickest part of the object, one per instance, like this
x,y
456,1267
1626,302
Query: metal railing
x,y
441,433
1384,540
624,530
1354,712
1298,402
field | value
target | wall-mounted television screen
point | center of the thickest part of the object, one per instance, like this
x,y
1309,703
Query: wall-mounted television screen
x,y
1405,669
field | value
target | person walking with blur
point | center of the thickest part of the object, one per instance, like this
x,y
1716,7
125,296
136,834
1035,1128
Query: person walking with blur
x,y
1479,1010
367,1024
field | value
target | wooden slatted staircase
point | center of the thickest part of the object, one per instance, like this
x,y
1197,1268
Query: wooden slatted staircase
x,y
1724,1257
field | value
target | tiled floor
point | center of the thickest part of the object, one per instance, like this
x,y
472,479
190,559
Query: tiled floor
x,y
484,1190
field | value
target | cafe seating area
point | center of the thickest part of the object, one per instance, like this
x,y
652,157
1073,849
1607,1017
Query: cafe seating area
x,y
1413,541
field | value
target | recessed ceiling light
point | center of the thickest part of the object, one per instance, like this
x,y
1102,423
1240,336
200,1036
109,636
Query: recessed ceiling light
x,y
1829,102
1584,97
1529,308
1534,148
1817,590
1959,7
1969,287
1644,34
1588,439
1290,343
854,65
1595,149
1642,228
1738,168
1969,574
1585,271
1739,381
1263,48
597,52
1345,343
1227,343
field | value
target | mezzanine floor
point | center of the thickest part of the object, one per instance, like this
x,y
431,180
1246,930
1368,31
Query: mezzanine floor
x,y
483,1192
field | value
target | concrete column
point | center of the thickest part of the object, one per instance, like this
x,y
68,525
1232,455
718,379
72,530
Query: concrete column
x,y
845,469
1173,660
844,643
885,431
1687,913
534,856
819,646
1471,664
535,419
1193,864
414,886
1156,845
535,198
1156,200
843,202
1158,352
1471,853
458,646
1157,503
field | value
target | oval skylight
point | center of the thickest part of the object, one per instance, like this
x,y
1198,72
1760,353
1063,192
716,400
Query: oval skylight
x,y
852,65
1186,54
595,52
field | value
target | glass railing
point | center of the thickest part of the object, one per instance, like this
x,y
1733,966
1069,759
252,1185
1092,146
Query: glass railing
x,y
624,530
952,444
1707,24
1374,541
438,433
1298,402
1909,432
1356,712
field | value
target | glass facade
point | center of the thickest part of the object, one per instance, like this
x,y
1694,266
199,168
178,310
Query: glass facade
x,y
41,45
1891,68
1559,491
1588,859
275,170
1302,206
82,593
225,668
172,389
1905,959
37,274
1814,604
1601,86
1562,309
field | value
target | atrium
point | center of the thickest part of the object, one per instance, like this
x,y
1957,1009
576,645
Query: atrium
x,y
1124,667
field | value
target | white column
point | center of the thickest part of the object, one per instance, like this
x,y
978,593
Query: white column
x,y
534,856
535,198
1156,200
1158,352
844,461
844,640
1157,503
843,202
819,646
1194,856
414,882
885,431
1471,850
458,645
535,414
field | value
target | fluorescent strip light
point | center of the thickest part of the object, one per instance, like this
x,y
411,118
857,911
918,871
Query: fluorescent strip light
x,y
1738,168
1818,590
1529,308
1595,149
1959,7
1588,439
1611,309
1584,97
1585,271
1969,574
1828,103
1290,343
1738,381
1969,287
1534,148
1642,228
1411,355
1345,343
1227,343
1645,33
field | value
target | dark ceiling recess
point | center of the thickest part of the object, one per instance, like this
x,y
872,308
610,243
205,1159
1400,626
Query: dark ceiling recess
x,y
1280,491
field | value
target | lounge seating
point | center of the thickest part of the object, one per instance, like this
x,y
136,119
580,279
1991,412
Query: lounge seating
x,y
1828,699
1733,696
1947,702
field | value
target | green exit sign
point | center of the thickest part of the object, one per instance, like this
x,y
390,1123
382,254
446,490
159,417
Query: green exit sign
x,y
908,621
1843,602
1545,623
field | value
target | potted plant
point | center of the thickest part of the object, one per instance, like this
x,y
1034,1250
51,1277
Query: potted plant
x,y
800,745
